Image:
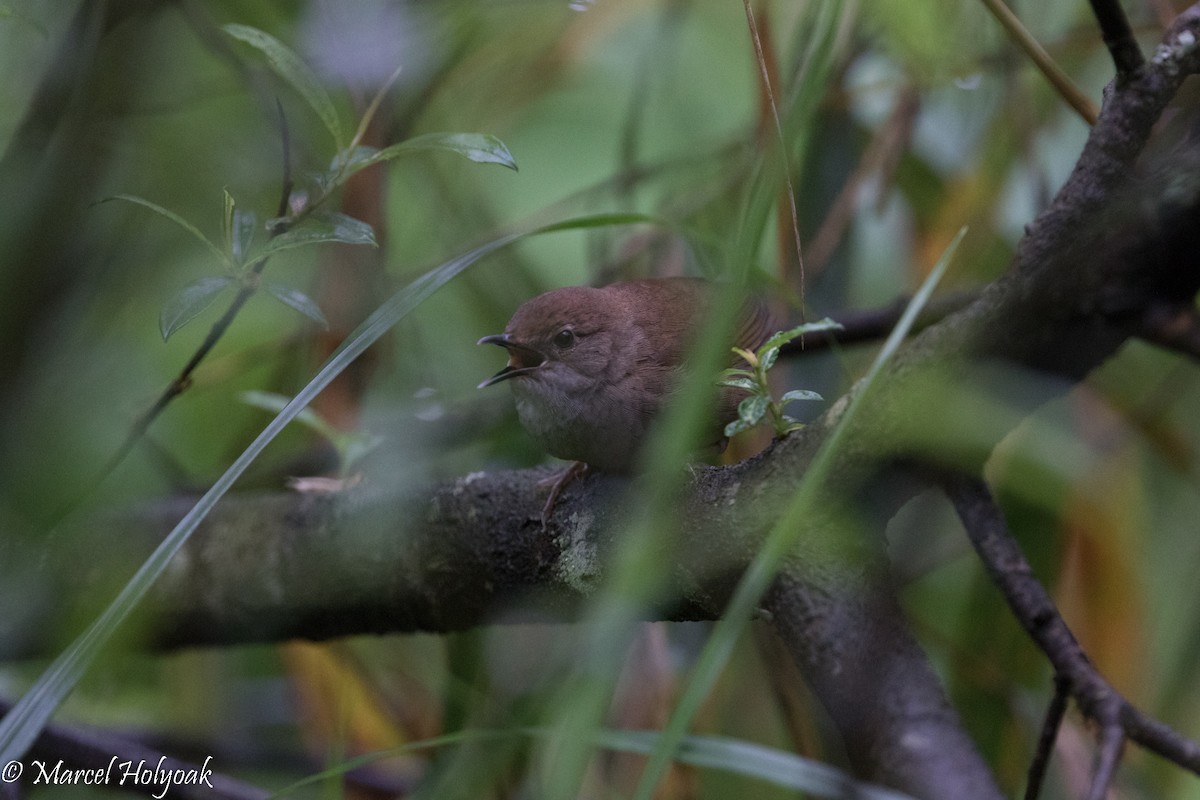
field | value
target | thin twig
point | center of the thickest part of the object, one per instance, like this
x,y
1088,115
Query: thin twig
x,y
1045,746
1035,610
1118,36
1108,754
1062,84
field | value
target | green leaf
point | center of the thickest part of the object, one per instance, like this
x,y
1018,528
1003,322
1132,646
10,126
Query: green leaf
x,y
24,722
8,12
320,228
245,224
227,222
178,220
189,302
756,761
740,383
736,427
752,409
799,394
351,445
479,147
783,337
767,357
292,69
294,298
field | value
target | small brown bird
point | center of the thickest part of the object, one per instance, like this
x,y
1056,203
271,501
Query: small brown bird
x,y
591,368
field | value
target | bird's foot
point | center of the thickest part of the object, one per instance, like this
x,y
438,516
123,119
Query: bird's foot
x,y
557,483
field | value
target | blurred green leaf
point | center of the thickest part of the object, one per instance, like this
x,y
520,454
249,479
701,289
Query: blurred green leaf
x,y
767,357
351,445
739,383
735,756
292,69
275,403
8,12
800,394
756,761
178,220
320,228
189,302
294,298
227,221
762,570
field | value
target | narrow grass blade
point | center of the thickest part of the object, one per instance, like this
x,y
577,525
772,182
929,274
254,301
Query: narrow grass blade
x,y
761,572
734,756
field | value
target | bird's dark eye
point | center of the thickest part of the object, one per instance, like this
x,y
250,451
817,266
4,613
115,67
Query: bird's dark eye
x,y
564,338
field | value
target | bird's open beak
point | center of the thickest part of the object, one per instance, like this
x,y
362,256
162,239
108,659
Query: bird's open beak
x,y
522,359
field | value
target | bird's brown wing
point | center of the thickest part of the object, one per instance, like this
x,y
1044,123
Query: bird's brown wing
x,y
754,324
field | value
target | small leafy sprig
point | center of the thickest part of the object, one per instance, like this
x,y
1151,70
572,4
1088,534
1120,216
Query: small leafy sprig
x,y
304,222
760,404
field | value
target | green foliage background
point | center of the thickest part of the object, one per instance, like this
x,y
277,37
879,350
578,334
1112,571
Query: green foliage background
x,y
609,107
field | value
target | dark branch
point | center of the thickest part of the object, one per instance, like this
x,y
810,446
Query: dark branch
x,y
1035,610
874,324
1045,746
1118,36
285,141
1174,328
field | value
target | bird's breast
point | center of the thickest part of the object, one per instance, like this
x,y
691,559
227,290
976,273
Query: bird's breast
x,y
601,426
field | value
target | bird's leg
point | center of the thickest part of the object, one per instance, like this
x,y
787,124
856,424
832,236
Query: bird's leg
x,y
557,483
